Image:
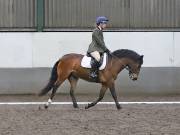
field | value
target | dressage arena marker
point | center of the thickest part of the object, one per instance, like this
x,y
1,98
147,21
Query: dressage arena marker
x,y
84,103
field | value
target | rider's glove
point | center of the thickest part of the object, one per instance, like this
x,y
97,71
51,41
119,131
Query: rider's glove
x,y
108,51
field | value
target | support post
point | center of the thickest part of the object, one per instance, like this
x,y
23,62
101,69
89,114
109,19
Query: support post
x,y
40,15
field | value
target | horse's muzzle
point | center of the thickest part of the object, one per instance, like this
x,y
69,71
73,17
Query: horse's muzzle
x,y
133,76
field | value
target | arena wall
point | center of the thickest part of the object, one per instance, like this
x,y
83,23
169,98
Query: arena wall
x,y
27,59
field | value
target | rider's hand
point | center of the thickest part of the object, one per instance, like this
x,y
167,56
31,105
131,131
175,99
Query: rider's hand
x,y
108,51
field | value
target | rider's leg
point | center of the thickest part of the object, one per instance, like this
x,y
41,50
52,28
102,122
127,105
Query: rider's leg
x,y
96,55
95,64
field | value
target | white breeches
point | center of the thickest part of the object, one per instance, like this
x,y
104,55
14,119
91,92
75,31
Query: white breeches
x,y
96,55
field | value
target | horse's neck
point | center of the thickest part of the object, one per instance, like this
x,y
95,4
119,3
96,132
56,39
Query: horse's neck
x,y
120,63
126,60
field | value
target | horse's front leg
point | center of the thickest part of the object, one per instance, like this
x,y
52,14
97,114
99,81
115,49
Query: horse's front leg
x,y
113,93
101,95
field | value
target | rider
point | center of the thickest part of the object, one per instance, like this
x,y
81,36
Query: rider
x,y
97,46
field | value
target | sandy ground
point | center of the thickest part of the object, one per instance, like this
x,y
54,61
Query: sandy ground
x,y
99,120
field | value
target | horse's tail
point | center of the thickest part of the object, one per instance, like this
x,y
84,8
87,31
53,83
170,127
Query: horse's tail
x,y
52,80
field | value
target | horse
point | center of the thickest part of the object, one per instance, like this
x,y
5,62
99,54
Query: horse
x,y
69,67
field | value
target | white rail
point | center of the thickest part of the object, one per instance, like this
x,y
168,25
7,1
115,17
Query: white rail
x,y
83,103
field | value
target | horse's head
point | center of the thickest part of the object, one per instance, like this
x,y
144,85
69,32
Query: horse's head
x,y
131,61
134,67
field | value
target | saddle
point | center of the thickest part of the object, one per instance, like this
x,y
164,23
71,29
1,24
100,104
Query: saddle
x,y
86,61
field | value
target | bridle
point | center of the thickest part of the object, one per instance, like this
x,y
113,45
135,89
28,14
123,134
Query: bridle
x,y
128,68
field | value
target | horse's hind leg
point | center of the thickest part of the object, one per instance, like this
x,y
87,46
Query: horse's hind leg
x,y
61,78
55,87
73,81
101,95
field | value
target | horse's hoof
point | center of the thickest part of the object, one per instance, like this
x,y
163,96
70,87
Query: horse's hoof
x,y
46,106
86,107
75,106
119,107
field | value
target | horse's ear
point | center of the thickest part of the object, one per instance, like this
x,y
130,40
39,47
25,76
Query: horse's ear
x,y
141,57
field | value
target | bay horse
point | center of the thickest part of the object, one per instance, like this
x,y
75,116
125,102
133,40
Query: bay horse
x,y
69,67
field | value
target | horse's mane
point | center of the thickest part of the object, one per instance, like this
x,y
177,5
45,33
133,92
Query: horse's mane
x,y
126,53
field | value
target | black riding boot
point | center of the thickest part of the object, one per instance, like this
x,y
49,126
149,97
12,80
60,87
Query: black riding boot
x,y
94,69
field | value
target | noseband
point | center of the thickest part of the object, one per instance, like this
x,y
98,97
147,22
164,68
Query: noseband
x,y
127,68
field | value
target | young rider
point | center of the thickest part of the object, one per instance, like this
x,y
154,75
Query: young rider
x,y
97,47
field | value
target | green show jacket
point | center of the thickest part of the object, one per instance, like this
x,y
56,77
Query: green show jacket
x,y
97,43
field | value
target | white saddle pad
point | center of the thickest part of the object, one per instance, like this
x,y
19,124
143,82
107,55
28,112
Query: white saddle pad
x,y
86,62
